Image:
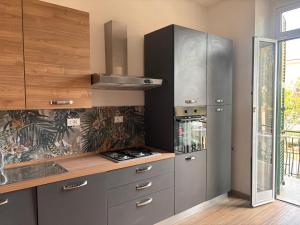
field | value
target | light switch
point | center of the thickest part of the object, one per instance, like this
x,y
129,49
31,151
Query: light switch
x,y
73,122
118,119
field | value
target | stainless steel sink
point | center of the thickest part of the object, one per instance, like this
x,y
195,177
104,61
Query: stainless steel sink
x,y
30,172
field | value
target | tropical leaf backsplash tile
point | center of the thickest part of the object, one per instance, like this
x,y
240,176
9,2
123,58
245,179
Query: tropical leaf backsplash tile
x,y
39,134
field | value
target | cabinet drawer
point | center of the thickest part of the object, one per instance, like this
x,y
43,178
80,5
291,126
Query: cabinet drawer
x,y
140,172
143,211
73,202
18,208
139,189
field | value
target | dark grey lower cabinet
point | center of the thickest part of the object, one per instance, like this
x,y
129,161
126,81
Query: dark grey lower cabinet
x,y
18,208
146,210
218,150
190,180
80,201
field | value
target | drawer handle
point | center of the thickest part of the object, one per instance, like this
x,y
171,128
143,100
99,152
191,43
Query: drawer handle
x,y
220,100
74,186
190,158
4,202
219,109
61,102
144,203
190,101
144,186
143,170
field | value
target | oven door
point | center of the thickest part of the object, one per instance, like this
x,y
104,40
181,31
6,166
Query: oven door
x,y
190,134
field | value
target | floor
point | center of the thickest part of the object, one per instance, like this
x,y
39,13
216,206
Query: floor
x,y
233,211
290,192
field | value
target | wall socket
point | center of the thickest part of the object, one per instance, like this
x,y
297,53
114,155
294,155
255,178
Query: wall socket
x,y
73,122
118,119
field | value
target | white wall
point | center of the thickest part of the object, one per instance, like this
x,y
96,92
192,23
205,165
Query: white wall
x,y
236,19
264,19
141,17
231,18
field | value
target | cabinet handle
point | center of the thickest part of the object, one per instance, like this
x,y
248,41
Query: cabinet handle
x,y
144,186
74,186
61,102
190,158
144,203
219,109
190,101
4,202
219,100
143,170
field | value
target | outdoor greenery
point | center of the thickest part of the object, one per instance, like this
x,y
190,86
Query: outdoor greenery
x,y
292,106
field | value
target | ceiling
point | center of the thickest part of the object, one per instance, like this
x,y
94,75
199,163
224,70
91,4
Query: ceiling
x,y
207,2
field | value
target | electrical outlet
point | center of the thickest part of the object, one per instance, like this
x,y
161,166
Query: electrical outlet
x,y
118,119
74,122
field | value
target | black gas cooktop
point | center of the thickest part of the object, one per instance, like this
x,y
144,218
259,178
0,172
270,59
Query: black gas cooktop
x,y
128,154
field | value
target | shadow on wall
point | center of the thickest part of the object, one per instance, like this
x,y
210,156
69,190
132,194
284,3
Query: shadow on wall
x,y
40,134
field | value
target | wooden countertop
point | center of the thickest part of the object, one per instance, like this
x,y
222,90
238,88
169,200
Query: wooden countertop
x,y
82,166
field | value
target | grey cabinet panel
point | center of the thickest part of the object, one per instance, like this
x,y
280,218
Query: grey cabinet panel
x,y
84,205
161,207
218,150
190,180
139,189
130,175
189,66
219,70
20,208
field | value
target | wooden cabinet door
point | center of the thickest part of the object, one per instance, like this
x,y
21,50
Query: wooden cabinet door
x,y
11,55
57,56
79,201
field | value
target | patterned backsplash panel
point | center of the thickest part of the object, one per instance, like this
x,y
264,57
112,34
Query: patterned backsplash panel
x,y
40,134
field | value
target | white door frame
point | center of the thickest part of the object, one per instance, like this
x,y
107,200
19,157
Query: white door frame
x,y
265,196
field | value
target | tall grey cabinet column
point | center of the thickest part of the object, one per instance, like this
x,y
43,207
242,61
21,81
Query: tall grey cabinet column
x,y
219,111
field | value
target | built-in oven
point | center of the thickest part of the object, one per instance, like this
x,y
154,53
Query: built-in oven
x,y
190,129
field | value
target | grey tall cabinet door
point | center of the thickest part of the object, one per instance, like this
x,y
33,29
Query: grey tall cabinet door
x,y
218,150
190,180
219,70
189,67
18,208
79,201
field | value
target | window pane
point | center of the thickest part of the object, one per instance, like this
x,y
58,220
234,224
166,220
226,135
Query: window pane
x,y
290,20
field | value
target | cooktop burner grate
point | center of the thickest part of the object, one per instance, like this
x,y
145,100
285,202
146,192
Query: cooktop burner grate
x,y
128,154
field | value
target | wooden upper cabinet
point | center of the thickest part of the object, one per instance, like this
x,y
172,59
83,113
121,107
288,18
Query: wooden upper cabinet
x,y
57,56
12,93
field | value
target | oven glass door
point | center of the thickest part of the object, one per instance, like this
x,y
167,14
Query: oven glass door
x,y
190,135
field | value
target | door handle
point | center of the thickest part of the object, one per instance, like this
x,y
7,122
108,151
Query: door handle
x,y
4,202
144,186
143,170
75,186
190,101
190,158
219,100
144,203
61,102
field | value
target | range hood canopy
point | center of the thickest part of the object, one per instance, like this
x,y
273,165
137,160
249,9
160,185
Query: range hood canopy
x,y
116,76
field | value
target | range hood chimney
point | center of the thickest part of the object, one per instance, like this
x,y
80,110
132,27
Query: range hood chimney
x,y
116,76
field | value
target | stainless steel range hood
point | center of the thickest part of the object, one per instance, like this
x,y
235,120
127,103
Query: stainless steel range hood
x,y
116,76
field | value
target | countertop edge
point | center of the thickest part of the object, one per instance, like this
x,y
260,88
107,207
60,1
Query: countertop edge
x,y
105,165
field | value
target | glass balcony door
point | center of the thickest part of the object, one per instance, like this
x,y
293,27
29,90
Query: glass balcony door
x,y
264,121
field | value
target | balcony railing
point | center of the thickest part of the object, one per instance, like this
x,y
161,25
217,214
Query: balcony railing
x,y
290,147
